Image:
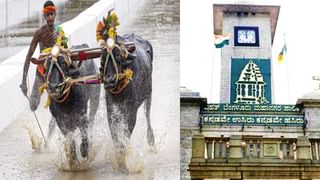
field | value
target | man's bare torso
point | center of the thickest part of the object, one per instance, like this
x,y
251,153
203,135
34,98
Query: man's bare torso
x,y
45,37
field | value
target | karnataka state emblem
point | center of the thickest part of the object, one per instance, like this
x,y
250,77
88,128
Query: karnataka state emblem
x,y
249,86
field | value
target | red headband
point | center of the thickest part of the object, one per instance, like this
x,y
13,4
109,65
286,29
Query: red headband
x,y
49,9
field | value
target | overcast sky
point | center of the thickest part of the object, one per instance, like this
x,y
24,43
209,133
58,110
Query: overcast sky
x,y
200,61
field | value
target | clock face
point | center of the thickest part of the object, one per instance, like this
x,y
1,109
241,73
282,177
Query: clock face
x,y
246,36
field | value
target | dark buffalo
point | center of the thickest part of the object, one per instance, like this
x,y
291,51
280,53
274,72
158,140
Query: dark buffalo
x,y
122,107
72,112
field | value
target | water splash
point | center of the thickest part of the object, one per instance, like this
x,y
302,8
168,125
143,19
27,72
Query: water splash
x,y
36,141
131,157
135,161
70,160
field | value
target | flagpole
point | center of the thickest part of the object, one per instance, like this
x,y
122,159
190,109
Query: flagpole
x,y
211,84
212,71
287,68
211,80
219,41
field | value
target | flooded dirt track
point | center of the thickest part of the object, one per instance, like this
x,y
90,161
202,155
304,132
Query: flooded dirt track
x,y
158,22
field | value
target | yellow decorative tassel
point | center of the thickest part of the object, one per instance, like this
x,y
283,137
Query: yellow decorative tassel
x,y
128,73
47,104
41,88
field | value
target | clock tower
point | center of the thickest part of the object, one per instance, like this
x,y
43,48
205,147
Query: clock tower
x,y
246,63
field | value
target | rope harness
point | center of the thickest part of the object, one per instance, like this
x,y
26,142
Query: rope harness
x,y
121,79
66,84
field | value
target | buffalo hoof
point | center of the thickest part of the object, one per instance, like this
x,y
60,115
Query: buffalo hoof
x,y
150,137
84,148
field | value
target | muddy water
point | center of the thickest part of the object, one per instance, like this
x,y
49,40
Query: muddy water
x,y
159,23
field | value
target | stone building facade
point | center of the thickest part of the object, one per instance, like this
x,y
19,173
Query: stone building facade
x,y
246,136
250,152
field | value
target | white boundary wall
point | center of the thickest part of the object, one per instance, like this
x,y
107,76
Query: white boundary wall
x,y
81,29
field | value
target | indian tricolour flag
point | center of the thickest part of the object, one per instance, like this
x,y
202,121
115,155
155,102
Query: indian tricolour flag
x,y
221,40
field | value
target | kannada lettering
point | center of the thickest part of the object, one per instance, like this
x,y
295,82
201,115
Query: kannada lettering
x,y
254,120
250,108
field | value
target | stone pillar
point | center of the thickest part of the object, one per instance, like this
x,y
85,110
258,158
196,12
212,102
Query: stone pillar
x,y
235,147
303,148
209,149
317,151
198,145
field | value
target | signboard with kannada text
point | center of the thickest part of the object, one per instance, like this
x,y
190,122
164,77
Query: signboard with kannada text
x,y
251,115
276,108
252,120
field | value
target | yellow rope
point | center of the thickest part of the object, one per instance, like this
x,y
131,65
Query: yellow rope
x,y
68,82
127,77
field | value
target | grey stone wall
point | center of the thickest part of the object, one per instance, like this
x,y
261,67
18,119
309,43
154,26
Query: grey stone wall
x,y
191,117
185,152
189,125
311,103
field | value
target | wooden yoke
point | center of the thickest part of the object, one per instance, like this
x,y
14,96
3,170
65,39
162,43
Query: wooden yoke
x,y
76,55
84,54
81,54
